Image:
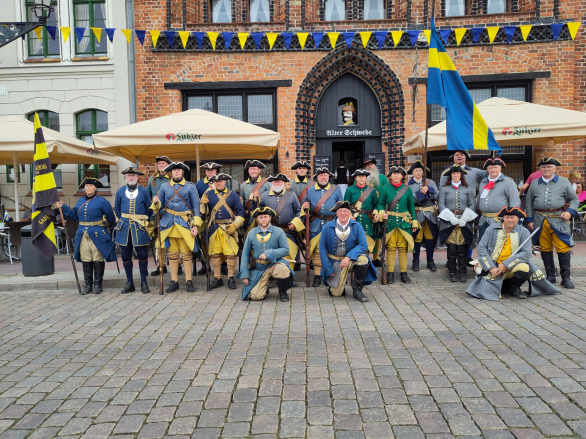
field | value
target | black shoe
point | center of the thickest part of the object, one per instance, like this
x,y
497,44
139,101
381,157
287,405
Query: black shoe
x,y
431,265
99,268
358,295
316,281
377,263
359,275
343,292
517,293
390,278
404,278
173,286
567,283
217,283
157,272
453,277
202,271
180,269
463,277
189,286
297,267
564,260
88,277
231,283
129,288
415,265
549,265
224,268
283,296
144,288
513,285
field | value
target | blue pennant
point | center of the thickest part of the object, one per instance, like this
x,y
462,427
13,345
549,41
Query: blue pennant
x,y
349,37
199,38
170,34
287,37
52,31
317,37
257,38
381,36
413,36
445,34
510,31
556,28
228,38
110,33
79,31
140,34
476,32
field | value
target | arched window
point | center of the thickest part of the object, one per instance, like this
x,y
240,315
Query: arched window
x,y
374,9
335,10
221,11
92,122
48,119
260,11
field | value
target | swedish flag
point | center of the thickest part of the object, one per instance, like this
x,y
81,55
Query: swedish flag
x,y
44,195
465,126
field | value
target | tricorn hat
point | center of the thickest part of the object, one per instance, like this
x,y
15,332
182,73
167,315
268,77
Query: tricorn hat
x,y
549,161
322,170
517,211
455,168
211,165
281,177
417,165
301,164
91,180
368,159
494,161
360,172
162,158
133,170
263,210
252,163
396,168
177,165
342,205
220,176
463,151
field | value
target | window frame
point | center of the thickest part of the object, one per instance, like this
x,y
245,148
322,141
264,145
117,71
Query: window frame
x,y
79,133
507,7
222,22
28,4
345,18
466,10
91,20
368,19
258,21
8,179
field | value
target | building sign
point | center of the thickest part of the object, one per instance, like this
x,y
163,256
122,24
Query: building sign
x,y
347,132
322,161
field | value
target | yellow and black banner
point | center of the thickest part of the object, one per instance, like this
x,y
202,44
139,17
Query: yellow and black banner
x,y
44,195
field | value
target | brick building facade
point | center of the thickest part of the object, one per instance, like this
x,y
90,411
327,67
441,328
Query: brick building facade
x,y
293,84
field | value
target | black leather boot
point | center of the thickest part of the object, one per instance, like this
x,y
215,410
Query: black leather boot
x,y
316,281
129,288
513,286
217,283
564,260
452,258
157,272
462,260
144,288
283,285
88,277
377,263
549,264
429,249
99,268
189,286
359,275
390,278
415,265
404,278
173,286
231,283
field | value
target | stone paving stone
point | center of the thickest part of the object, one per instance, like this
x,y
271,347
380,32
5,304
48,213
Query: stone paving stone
x,y
408,432
129,424
321,432
550,425
153,431
182,426
265,424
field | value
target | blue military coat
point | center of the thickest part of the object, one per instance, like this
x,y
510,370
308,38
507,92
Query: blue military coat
x,y
314,194
232,200
355,243
90,211
203,185
159,180
173,203
135,202
275,249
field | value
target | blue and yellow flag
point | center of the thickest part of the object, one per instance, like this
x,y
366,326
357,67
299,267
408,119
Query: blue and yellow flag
x,y
44,195
465,126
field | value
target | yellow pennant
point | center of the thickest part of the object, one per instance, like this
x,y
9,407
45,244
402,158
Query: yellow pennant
x,y
127,33
427,35
155,36
242,36
573,28
459,35
396,35
365,37
272,37
184,35
213,36
333,36
65,31
492,31
302,37
38,31
97,32
525,29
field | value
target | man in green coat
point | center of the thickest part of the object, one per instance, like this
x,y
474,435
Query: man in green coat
x,y
397,207
364,200
377,180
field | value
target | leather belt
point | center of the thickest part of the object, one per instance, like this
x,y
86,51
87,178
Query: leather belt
x,y
425,209
262,261
337,258
143,220
93,223
323,218
364,212
557,209
224,221
458,212
490,215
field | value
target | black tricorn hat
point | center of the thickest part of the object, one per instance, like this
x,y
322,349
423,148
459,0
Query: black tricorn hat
x,y
517,211
162,158
549,161
281,177
368,160
360,172
252,163
494,161
177,165
322,170
220,176
91,180
211,165
455,168
263,210
301,164
397,168
417,165
133,170
463,151
342,205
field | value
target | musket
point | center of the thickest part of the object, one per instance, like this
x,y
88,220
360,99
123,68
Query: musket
x,y
293,261
383,255
114,243
307,251
71,250
207,252
161,251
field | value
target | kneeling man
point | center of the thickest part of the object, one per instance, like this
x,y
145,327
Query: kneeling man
x,y
343,247
262,259
503,255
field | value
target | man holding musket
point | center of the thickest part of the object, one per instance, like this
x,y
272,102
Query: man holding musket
x,y
343,248
251,189
180,220
301,180
263,259
93,242
320,200
551,202
363,199
503,261
225,215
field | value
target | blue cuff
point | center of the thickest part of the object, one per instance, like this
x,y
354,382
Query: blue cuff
x,y
572,212
271,257
529,219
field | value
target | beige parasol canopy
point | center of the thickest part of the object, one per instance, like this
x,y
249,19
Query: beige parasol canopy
x,y
189,135
513,123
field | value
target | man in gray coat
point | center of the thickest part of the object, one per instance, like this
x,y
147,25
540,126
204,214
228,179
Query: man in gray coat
x,y
551,202
251,189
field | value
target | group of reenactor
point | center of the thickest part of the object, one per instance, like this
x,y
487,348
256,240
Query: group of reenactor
x,y
347,235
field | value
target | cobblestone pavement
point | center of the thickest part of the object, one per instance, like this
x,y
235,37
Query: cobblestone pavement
x,y
421,360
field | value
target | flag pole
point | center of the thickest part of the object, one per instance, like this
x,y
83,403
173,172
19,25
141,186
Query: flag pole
x,y
69,250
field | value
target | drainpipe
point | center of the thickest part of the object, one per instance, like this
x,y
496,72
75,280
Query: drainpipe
x,y
131,61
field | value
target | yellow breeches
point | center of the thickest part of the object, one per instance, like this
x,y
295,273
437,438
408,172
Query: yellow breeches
x,y
292,251
222,243
548,240
88,252
425,232
402,241
179,233
519,267
370,243
178,245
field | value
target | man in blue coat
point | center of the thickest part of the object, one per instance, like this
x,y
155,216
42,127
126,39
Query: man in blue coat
x,y
93,242
132,209
263,258
343,247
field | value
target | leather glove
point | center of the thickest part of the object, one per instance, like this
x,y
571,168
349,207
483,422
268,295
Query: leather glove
x,y
455,221
462,223
204,199
230,229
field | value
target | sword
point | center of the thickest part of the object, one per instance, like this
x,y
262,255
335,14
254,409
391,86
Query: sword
x,y
114,243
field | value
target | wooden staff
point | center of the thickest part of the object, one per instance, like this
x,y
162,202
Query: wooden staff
x,y
307,251
70,250
161,251
383,254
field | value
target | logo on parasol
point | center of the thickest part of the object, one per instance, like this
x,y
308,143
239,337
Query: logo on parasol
x,y
507,132
171,137
183,137
93,151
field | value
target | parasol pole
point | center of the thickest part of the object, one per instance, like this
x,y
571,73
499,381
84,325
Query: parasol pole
x,y
15,168
197,160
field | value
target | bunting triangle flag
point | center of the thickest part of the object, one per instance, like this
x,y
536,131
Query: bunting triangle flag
x,y
39,32
317,37
271,38
556,28
110,32
79,31
445,34
127,33
213,37
184,35
397,35
573,28
427,35
381,36
52,31
476,33
333,36
98,33
365,37
228,38
510,32
348,37
242,37
154,36
460,34
492,31
199,38
413,36
302,37
140,35
170,34
65,32
525,29
257,38
287,38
